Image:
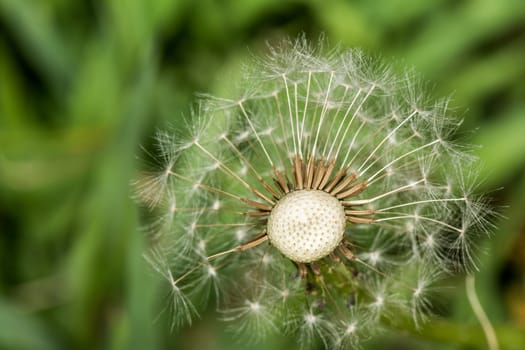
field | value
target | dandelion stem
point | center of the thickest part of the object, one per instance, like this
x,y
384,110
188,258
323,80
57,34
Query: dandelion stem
x,y
472,296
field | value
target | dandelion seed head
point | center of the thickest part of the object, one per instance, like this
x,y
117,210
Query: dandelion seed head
x,y
327,183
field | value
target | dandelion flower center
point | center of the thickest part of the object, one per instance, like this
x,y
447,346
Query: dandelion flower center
x,y
306,225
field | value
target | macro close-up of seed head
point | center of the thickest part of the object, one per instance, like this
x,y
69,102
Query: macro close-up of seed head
x,y
284,175
324,201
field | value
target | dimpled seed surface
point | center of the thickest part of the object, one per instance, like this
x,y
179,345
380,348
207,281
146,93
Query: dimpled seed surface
x,y
306,225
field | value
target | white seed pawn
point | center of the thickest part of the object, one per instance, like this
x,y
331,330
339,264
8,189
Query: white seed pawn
x,y
306,225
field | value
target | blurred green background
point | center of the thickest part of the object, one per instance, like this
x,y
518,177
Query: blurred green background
x,y
83,84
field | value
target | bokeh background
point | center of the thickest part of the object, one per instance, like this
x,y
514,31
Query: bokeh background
x,y
84,84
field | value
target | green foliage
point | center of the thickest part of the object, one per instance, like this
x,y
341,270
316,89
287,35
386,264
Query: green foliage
x,y
84,83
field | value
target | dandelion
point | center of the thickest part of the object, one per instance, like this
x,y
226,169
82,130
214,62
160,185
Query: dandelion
x,y
323,200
